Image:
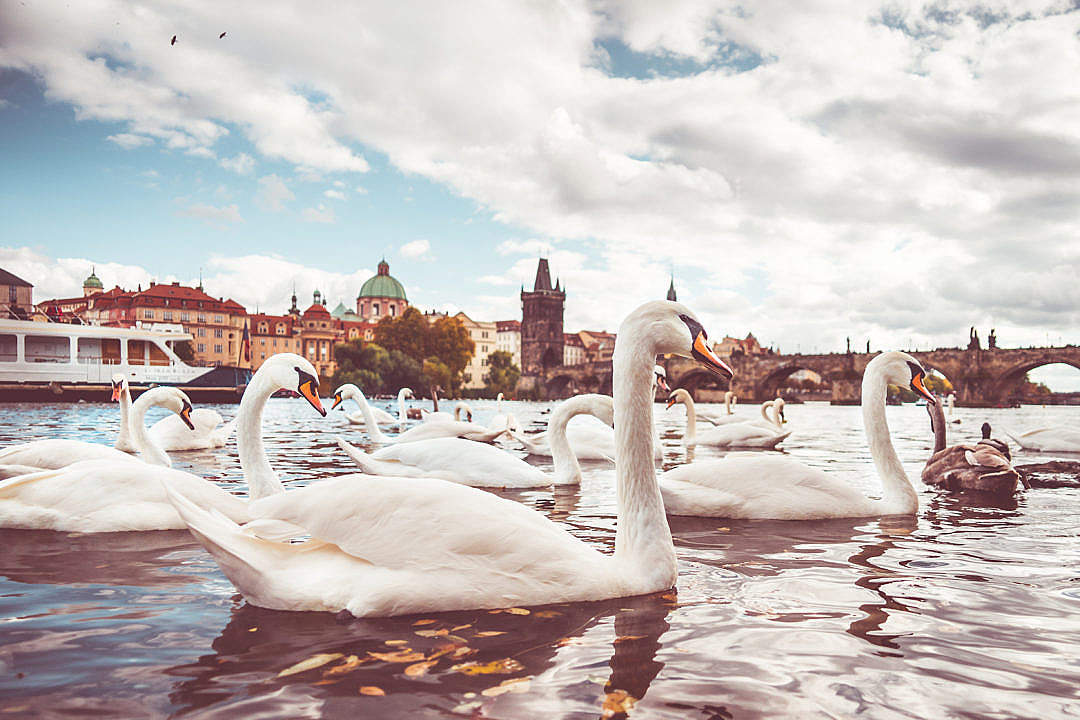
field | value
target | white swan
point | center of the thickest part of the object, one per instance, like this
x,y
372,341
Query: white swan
x,y
423,431
1048,439
479,465
767,434
171,433
715,417
121,393
393,546
115,496
498,421
776,487
350,391
56,453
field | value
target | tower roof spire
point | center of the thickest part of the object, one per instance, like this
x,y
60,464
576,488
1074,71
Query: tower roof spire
x,y
671,290
543,276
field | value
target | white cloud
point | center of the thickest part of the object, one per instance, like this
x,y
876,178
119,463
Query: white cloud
x,y
417,250
361,190
321,214
273,193
129,141
216,216
242,164
334,194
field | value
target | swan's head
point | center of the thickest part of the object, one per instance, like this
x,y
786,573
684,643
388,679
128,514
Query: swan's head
x,y
902,370
661,378
672,328
343,393
499,397
288,371
119,384
463,408
778,405
407,393
178,402
679,396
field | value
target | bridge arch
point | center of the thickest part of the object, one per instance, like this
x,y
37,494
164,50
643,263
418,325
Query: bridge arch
x,y
1008,380
778,379
697,379
558,386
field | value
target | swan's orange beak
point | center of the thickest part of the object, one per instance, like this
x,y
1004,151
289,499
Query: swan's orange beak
x,y
671,401
337,401
307,389
704,354
917,386
185,415
115,393
661,382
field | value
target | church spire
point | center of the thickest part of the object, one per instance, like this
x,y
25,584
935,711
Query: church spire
x,y
671,290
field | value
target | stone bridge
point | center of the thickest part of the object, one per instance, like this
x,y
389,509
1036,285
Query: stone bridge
x,y
980,377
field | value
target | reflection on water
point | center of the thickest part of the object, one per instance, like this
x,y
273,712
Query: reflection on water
x,y
969,609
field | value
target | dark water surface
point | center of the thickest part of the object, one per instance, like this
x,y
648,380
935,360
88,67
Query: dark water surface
x,y
967,610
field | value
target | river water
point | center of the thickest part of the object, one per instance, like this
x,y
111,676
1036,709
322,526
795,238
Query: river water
x,y
966,610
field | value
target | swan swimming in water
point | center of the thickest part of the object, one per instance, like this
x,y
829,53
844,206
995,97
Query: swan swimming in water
x,y
765,434
424,431
981,467
171,433
1048,439
381,416
480,465
56,453
394,546
775,487
116,496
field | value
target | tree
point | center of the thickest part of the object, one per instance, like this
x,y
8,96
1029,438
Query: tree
x,y
503,374
937,383
361,365
446,340
436,373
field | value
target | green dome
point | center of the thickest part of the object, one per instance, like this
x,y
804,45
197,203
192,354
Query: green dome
x,y
92,281
383,285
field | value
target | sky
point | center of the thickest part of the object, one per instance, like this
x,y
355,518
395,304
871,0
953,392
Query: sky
x,y
808,172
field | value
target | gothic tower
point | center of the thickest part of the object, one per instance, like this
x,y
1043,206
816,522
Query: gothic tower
x,y
542,323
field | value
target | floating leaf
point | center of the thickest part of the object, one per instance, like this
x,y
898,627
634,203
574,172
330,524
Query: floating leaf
x,y
723,529
517,611
618,702
350,664
547,613
489,633
424,622
252,629
420,668
460,627
432,633
625,638
396,642
514,685
495,667
371,690
310,664
405,655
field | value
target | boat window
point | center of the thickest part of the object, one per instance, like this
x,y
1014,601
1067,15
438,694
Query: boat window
x,y
47,349
157,355
8,348
136,352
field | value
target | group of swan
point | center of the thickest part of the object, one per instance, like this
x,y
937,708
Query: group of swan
x,y
415,535
985,466
764,434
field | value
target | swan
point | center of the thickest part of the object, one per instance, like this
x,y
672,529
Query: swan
x,y
56,453
1000,445
775,487
394,546
1048,439
479,465
499,420
767,434
715,417
980,467
951,402
349,391
171,433
121,393
115,496
434,414
424,431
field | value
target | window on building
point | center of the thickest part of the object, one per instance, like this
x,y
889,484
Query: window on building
x,y
185,317
219,318
218,349
218,333
148,314
280,328
324,351
484,334
201,347
202,316
393,310
375,310
13,294
275,342
263,328
263,356
202,332
166,315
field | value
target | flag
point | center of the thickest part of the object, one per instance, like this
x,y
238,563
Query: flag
x,y
245,344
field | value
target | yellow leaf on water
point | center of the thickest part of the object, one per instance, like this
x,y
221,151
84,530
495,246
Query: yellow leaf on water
x,y
371,690
460,627
547,613
618,702
495,667
425,622
517,611
462,652
432,633
489,633
723,529
514,685
310,664
420,668
396,642
351,663
406,655
252,629
624,638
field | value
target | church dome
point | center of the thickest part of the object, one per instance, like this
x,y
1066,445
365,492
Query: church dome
x,y
383,285
93,282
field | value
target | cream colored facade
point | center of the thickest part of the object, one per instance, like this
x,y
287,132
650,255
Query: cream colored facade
x,y
484,336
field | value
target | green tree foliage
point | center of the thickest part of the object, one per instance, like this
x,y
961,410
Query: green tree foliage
x,y
374,369
446,341
938,384
503,374
436,373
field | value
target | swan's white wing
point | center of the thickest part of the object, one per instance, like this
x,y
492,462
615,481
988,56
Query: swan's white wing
x,y
1049,439
56,453
170,432
382,417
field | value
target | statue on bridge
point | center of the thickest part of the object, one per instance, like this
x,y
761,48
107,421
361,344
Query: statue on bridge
x,y
973,339
991,341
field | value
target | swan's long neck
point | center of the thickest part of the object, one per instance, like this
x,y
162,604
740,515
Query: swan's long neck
x,y
642,538
691,417
498,403
765,407
567,470
401,406
123,440
899,496
148,450
261,479
727,403
369,418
